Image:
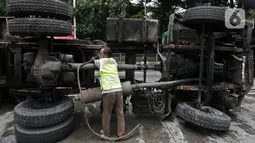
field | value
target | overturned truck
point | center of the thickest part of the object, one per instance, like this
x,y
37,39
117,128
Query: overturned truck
x,y
204,75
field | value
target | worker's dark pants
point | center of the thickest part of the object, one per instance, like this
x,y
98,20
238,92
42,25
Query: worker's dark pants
x,y
109,100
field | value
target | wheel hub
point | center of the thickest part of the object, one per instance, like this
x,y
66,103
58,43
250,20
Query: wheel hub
x,y
43,104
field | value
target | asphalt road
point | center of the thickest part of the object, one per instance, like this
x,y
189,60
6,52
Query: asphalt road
x,y
173,130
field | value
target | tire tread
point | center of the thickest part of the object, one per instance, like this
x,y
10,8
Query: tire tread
x,y
207,120
39,27
39,7
50,134
27,117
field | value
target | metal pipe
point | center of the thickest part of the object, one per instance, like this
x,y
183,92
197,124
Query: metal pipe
x,y
235,57
145,8
202,36
130,58
74,66
243,69
74,19
218,64
251,46
163,84
145,60
94,94
225,44
210,67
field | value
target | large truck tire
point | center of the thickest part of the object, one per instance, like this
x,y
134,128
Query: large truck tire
x,y
50,134
28,116
39,27
56,8
208,117
210,16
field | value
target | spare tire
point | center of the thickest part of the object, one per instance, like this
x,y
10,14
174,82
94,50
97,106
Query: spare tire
x,y
39,27
28,116
56,8
211,16
207,117
50,134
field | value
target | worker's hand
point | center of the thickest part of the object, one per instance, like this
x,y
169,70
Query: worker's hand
x,y
93,59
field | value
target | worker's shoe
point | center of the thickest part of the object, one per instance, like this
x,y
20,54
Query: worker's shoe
x,y
103,133
121,135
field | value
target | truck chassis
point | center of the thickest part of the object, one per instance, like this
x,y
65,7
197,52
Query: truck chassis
x,y
203,77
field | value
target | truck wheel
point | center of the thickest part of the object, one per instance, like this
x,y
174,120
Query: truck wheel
x,y
39,27
56,8
44,135
207,117
27,115
210,16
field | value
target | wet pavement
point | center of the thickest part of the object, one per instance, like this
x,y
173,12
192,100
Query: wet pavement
x,y
173,130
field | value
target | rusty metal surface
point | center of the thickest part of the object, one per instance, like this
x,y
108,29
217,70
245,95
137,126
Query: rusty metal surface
x,y
130,30
131,59
83,44
210,66
234,70
176,47
250,68
18,71
219,86
189,87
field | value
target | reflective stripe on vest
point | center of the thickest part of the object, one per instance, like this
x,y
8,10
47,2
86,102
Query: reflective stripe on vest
x,y
109,77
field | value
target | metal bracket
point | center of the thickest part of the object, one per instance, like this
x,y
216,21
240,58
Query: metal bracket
x,y
144,31
202,36
210,67
248,35
170,28
17,65
120,28
163,58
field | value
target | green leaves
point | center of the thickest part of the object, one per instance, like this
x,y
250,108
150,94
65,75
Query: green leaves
x,y
91,16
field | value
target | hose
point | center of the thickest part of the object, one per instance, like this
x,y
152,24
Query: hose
x,y
132,132
164,84
236,58
153,104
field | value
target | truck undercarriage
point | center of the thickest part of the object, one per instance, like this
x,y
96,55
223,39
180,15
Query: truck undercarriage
x,y
207,69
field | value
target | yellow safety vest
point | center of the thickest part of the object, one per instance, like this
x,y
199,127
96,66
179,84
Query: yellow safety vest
x,y
109,77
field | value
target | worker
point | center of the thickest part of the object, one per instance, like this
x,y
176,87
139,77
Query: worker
x,y
111,91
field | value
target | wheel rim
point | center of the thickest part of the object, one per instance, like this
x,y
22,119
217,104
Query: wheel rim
x,y
43,105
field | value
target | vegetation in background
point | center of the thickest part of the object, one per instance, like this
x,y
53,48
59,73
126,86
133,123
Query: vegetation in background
x,y
91,14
